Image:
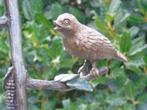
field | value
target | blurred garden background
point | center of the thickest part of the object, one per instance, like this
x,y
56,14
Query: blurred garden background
x,y
124,22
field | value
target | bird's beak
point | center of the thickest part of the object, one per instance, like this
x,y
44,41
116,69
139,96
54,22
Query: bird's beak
x,y
55,22
57,26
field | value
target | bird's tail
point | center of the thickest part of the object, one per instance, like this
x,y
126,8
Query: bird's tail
x,y
118,55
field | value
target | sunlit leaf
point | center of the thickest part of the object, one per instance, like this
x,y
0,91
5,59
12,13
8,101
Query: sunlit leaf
x,y
133,31
115,5
139,49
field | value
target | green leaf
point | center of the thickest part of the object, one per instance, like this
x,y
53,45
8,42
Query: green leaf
x,y
133,31
82,106
27,11
109,18
135,19
142,98
67,62
145,59
100,80
55,10
76,12
138,62
43,20
139,50
144,4
1,9
114,6
125,42
116,101
55,48
66,103
130,90
100,24
31,7
140,41
128,106
37,6
138,45
134,64
121,17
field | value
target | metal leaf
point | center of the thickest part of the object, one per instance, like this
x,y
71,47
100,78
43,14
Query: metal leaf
x,y
65,77
80,84
74,81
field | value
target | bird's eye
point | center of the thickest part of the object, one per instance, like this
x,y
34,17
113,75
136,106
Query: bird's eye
x,y
66,22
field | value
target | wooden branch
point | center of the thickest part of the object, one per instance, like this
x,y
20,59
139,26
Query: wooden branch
x,y
16,53
3,20
60,86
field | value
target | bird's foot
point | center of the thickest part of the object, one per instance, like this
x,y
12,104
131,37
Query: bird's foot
x,y
94,72
83,71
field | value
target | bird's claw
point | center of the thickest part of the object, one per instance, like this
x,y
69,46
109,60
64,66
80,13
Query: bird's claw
x,y
94,72
83,71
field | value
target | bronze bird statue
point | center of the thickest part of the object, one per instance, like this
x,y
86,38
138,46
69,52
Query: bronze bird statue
x,y
84,42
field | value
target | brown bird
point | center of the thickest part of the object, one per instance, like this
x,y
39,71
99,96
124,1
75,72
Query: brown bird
x,y
84,42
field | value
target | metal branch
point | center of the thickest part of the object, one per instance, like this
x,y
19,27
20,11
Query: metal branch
x,y
44,84
3,20
60,86
16,53
89,77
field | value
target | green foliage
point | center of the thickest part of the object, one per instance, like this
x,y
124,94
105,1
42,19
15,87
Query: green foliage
x,y
124,22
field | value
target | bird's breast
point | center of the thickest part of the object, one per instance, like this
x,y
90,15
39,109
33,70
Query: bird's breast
x,y
75,47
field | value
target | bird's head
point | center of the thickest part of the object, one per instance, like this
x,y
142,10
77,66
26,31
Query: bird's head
x,y
66,23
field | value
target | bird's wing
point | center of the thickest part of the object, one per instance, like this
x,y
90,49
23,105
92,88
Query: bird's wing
x,y
98,43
